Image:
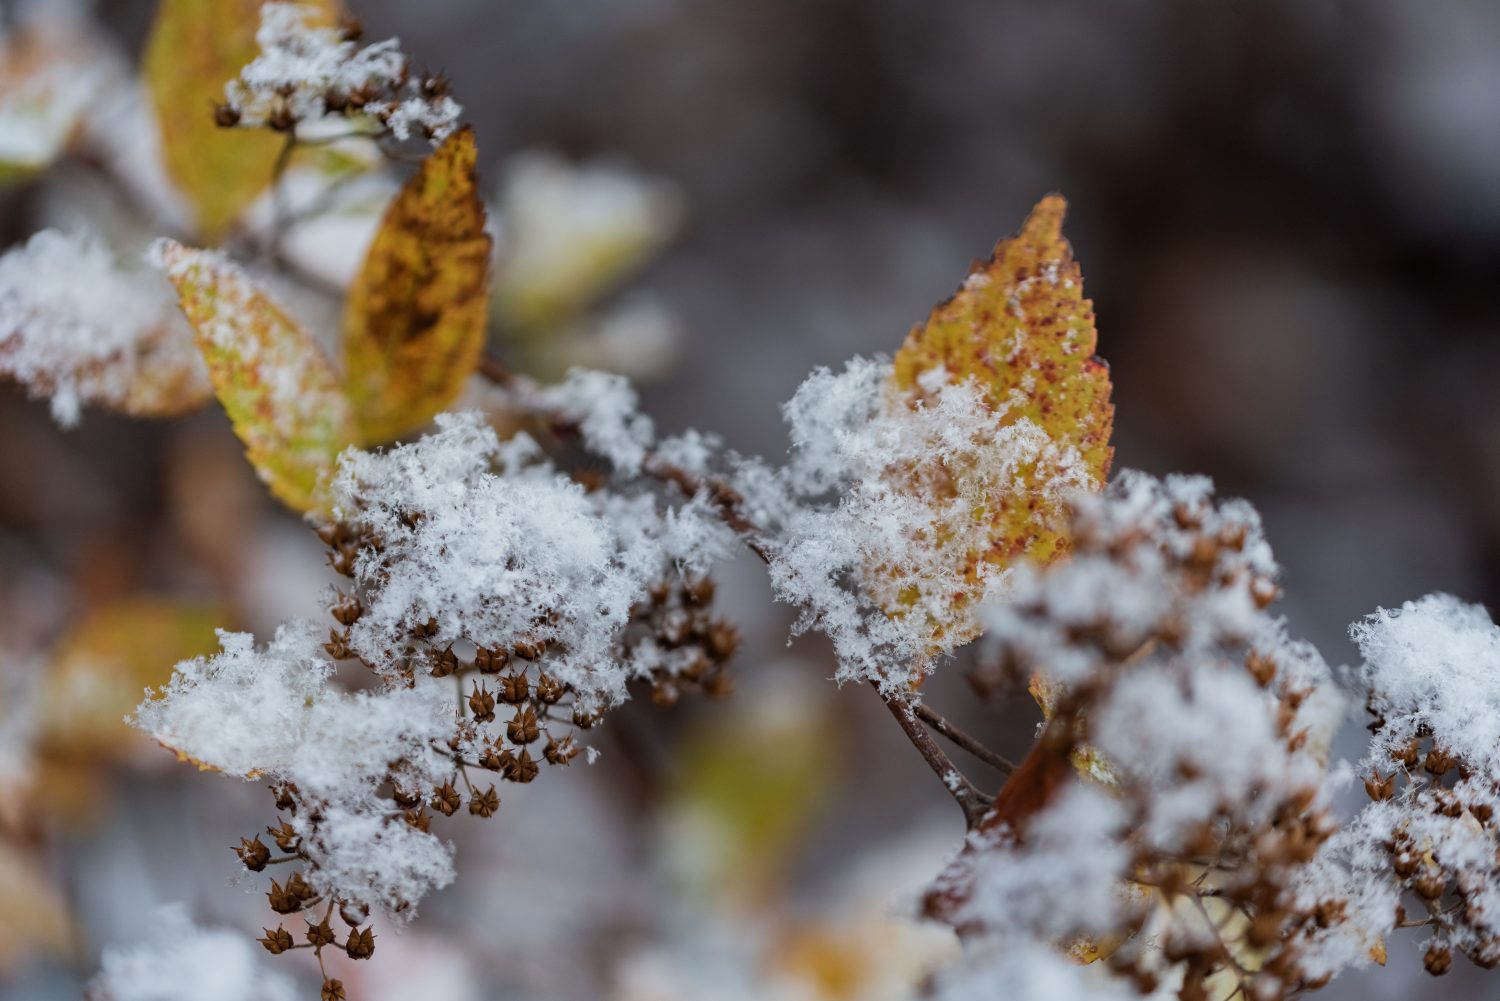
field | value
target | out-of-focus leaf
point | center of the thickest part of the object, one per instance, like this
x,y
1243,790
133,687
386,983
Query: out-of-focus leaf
x,y
1022,331
275,384
47,79
99,670
195,48
414,321
570,234
748,788
33,914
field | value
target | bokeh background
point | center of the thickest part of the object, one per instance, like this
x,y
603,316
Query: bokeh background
x,y
1288,216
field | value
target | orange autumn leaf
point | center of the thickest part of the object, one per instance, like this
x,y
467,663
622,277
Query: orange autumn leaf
x,y
275,384
195,48
1021,333
414,322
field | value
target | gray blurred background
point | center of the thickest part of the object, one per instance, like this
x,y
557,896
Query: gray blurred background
x,y
1288,216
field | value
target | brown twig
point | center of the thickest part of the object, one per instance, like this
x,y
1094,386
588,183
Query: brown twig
x,y
938,722
970,799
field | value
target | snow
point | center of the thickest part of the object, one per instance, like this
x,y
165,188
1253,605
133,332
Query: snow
x,y
78,327
182,962
875,513
507,549
275,713
300,65
1063,882
1433,666
603,406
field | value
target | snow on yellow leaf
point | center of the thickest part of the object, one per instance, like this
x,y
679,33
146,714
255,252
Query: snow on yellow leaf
x,y
275,384
195,48
1021,332
414,321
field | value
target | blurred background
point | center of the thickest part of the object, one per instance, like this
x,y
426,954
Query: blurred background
x,y
1288,216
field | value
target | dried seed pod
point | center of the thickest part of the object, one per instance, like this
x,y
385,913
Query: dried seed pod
x,y
698,590
548,689
353,912
482,704
514,688
446,800
285,837
361,944
278,941
484,804
520,768
281,901
1438,959
444,663
333,990
226,116
560,752
523,728
320,934
253,853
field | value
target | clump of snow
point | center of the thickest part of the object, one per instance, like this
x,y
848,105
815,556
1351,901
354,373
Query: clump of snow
x,y
78,327
1063,882
604,408
1432,668
1432,681
53,67
276,713
183,962
496,547
304,68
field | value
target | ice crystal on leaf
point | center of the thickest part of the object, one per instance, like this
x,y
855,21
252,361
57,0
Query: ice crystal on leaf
x,y
78,327
876,508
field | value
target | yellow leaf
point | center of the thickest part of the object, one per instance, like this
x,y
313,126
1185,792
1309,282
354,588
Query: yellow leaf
x,y
275,384
195,48
98,672
1020,329
414,321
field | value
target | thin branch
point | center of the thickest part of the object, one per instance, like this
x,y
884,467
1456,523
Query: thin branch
x,y
970,799
938,722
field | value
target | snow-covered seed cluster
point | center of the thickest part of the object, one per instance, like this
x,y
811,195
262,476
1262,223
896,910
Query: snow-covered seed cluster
x,y
307,73
1422,854
500,608
1179,783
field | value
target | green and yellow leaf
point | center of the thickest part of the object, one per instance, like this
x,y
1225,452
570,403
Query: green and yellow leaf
x,y
1022,332
278,388
195,48
415,318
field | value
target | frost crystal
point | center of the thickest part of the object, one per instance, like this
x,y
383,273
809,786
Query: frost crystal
x,y
76,326
182,962
306,73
